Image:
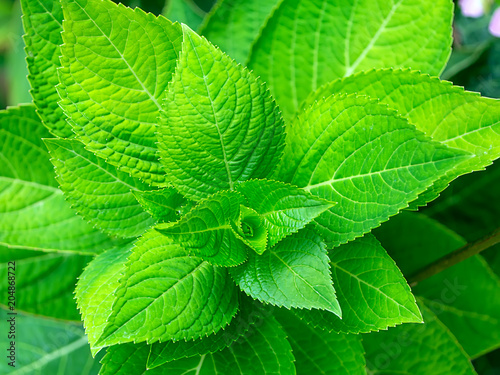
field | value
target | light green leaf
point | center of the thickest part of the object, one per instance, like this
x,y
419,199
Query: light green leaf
x,y
356,152
219,123
294,273
95,290
448,114
47,346
42,22
206,231
308,43
466,297
98,191
234,25
370,288
401,350
184,11
320,352
33,212
164,205
165,294
284,208
250,229
116,65
127,359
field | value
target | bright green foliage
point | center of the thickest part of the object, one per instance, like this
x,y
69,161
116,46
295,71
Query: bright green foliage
x,y
166,294
416,349
184,11
453,294
42,22
284,208
95,290
206,230
370,288
356,152
319,352
47,346
117,63
308,43
219,124
233,25
33,212
250,229
164,205
127,359
99,192
446,113
294,273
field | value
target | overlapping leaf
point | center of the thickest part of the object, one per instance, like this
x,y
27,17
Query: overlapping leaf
x,y
250,229
164,205
294,273
356,152
166,294
184,11
219,124
116,65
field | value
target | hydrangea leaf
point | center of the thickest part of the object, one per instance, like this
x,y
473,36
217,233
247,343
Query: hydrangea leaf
x,y
33,212
294,273
127,359
184,11
250,229
320,352
42,22
401,349
370,288
359,153
219,124
233,25
446,113
206,231
284,208
116,65
98,191
166,294
308,43
164,205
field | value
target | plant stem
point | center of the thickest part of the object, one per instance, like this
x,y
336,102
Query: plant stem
x,y
455,257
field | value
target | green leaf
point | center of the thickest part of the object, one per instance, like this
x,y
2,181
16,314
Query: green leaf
x,y
448,114
284,208
98,191
370,288
42,22
44,281
308,43
466,297
294,273
95,290
184,11
234,25
206,231
356,152
320,352
250,229
219,123
164,205
47,346
116,65
33,212
165,294
416,349
127,359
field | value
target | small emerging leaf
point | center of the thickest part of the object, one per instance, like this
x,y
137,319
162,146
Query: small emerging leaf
x,y
250,229
164,205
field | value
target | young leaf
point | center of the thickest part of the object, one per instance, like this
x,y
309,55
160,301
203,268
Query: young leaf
x,y
464,121
401,350
127,359
184,11
42,22
164,205
250,229
116,65
206,230
308,43
33,212
294,273
284,208
370,288
219,124
165,294
354,151
320,352
233,25
98,191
